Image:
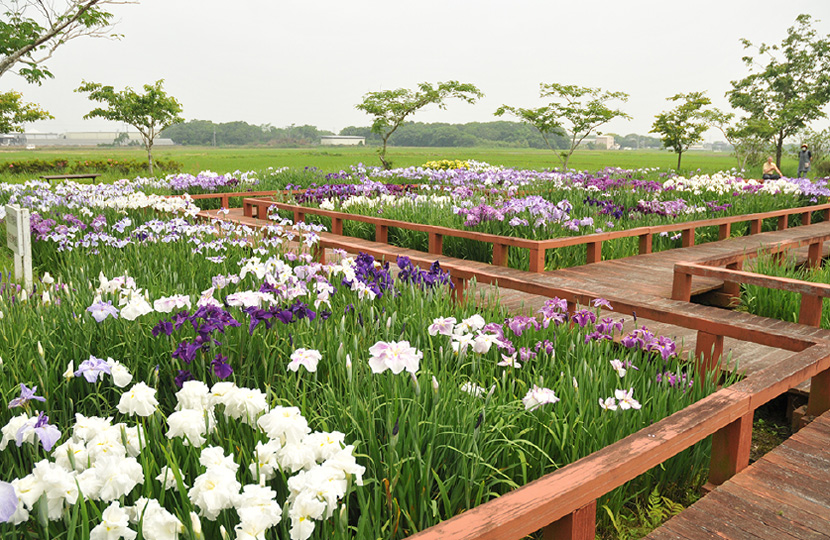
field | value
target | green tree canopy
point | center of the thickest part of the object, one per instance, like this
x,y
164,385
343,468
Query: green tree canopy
x,y
14,113
684,125
576,111
149,112
791,89
31,31
391,108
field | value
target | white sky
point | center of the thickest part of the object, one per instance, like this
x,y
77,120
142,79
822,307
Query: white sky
x,y
310,62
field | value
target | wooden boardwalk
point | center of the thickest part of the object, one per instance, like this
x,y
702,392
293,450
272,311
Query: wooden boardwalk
x,y
783,496
640,278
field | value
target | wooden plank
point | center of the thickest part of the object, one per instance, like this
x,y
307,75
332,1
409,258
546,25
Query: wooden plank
x,y
783,508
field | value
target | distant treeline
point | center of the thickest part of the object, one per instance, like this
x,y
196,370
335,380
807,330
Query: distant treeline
x,y
489,134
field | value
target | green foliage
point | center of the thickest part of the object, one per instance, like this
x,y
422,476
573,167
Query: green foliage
x,y
204,132
646,518
684,125
575,110
792,89
149,112
31,31
390,108
65,166
14,113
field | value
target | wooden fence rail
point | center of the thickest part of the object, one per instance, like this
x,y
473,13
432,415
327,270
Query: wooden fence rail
x,y
538,248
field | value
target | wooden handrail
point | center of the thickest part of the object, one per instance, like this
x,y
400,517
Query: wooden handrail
x,y
537,248
750,278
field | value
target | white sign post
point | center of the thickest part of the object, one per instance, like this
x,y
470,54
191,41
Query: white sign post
x,y
19,240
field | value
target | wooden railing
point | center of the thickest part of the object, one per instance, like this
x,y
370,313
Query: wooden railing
x,y
538,248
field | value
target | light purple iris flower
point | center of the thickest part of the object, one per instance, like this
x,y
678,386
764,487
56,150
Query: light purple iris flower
x,y
93,368
101,310
26,395
8,502
46,432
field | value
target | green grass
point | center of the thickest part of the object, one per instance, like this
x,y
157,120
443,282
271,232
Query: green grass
x,y
329,159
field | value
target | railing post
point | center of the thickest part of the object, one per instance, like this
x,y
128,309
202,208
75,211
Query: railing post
x,y
299,217
436,244
320,253
806,217
783,222
724,231
226,201
819,400
337,226
825,214
733,288
537,260
708,353
814,254
578,525
810,311
681,288
499,254
730,450
755,226
458,291
593,252
645,243
247,209
381,233
689,237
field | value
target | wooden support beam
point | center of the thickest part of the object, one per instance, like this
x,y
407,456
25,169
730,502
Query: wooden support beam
x,y
814,254
681,286
337,226
733,288
436,244
225,201
381,233
459,291
578,525
819,401
755,226
783,222
708,353
593,252
645,243
806,218
730,450
810,312
537,260
500,254
724,231
688,237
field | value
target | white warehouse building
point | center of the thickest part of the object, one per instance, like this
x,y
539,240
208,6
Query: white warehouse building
x,y
342,140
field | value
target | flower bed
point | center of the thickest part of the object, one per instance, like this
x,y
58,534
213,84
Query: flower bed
x,y
264,379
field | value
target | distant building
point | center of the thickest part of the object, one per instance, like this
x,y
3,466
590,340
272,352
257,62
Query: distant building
x,y
606,142
342,140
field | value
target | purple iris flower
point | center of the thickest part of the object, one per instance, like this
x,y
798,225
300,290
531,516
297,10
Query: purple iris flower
x,y
46,432
8,502
101,310
92,369
220,367
583,317
182,377
26,395
163,327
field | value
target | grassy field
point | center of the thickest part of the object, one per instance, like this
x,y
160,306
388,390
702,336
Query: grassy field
x,y
330,159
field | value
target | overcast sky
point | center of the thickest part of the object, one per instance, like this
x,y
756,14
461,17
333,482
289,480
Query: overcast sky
x,y
310,62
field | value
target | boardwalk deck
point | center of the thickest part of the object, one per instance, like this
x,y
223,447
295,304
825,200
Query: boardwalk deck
x,y
641,277
784,495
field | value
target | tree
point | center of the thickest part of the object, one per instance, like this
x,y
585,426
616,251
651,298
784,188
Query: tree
x,y
149,112
14,113
575,110
31,31
789,91
391,107
750,140
684,125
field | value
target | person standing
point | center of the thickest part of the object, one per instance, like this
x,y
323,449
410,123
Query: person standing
x,y
805,157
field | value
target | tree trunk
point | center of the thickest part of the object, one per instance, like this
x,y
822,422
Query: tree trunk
x,y
779,149
150,157
382,155
679,155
